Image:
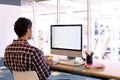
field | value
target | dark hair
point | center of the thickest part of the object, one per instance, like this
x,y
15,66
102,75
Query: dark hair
x,y
21,26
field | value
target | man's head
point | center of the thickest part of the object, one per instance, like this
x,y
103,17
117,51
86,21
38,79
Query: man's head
x,y
23,27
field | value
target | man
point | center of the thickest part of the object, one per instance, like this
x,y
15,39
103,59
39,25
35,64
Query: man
x,y
21,56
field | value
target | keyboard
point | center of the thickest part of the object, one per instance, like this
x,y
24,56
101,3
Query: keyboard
x,y
71,63
55,62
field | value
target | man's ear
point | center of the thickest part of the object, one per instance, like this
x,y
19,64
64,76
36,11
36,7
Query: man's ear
x,y
28,30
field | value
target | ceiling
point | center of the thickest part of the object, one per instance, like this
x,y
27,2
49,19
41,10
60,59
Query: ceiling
x,y
73,3
77,5
93,2
33,0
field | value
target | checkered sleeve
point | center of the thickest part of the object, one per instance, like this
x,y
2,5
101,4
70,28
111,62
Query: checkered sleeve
x,y
40,66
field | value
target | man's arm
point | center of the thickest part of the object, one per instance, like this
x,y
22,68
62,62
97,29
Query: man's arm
x,y
41,67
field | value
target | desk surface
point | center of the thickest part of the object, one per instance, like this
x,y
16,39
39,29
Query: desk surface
x,y
111,70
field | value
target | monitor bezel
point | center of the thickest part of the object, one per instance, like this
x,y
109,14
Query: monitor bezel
x,y
67,25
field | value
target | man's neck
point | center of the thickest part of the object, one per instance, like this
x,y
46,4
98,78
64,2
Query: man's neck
x,y
23,38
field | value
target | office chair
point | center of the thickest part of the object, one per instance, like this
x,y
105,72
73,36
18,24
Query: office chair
x,y
27,75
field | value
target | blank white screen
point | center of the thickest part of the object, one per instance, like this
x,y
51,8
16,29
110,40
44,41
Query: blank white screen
x,y
66,37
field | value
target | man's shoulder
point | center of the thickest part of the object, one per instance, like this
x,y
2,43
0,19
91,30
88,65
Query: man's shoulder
x,y
8,46
33,47
37,50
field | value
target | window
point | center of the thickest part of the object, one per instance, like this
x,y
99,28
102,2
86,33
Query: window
x,y
105,29
104,20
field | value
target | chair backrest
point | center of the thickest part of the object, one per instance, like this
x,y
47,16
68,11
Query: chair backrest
x,y
27,75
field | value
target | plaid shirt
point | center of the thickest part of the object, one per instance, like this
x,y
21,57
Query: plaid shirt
x,y
21,56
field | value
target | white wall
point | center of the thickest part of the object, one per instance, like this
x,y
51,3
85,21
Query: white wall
x,y
8,15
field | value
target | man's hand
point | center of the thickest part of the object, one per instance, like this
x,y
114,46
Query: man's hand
x,y
49,61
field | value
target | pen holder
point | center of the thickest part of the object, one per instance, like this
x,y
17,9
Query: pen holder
x,y
89,59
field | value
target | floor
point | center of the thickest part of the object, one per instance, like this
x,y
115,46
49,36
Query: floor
x,y
5,74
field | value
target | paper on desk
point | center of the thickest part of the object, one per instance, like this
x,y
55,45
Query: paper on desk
x,y
79,68
55,73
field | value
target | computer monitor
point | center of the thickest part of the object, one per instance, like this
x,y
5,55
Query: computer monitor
x,y
66,40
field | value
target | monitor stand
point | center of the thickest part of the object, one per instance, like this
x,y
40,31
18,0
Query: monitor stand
x,y
70,58
67,58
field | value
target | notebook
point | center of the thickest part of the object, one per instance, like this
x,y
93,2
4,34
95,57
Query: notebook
x,y
95,65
